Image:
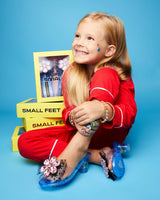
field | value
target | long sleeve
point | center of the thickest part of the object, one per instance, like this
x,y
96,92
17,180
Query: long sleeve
x,y
125,107
106,86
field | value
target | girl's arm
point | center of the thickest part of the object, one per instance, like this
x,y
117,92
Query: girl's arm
x,y
125,107
120,95
104,87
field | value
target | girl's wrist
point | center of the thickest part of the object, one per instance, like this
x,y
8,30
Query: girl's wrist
x,y
71,118
108,112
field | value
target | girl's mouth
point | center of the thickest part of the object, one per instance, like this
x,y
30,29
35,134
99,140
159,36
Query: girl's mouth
x,y
81,52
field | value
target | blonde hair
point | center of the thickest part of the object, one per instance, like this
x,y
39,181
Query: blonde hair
x,y
78,81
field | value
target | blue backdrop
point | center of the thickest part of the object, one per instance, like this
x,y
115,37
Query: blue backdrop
x,y
49,25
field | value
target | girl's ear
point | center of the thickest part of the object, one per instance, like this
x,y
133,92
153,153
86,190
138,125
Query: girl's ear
x,y
110,51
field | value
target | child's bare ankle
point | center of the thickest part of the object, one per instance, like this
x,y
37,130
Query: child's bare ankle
x,y
82,149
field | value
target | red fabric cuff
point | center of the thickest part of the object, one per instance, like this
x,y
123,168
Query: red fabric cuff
x,y
117,121
65,115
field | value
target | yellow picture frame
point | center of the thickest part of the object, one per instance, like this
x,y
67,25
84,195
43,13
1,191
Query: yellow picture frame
x,y
49,67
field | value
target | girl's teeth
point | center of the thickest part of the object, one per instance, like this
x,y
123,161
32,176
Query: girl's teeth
x,y
81,52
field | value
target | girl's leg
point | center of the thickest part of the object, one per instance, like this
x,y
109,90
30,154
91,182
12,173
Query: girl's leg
x,y
42,143
77,149
95,157
74,152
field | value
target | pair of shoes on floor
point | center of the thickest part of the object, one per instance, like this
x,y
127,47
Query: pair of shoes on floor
x,y
112,161
54,169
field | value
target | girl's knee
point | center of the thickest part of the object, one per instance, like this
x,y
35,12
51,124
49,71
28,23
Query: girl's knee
x,y
24,145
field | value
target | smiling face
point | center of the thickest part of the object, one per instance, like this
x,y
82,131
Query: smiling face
x,y
89,36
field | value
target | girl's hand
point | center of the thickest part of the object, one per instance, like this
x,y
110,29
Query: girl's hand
x,y
89,129
88,112
79,128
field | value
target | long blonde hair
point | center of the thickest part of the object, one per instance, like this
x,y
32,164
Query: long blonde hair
x,y
77,86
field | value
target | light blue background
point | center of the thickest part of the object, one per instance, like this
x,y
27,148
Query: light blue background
x,y
49,25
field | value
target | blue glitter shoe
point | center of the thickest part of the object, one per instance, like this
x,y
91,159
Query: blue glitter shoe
x,y
122,147
118,167
54,169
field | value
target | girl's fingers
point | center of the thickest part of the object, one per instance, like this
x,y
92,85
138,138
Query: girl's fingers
x,y
77,109
79,115
81,119
83,122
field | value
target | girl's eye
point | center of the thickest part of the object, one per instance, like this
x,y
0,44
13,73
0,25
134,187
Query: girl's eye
x,y
90,38
77,36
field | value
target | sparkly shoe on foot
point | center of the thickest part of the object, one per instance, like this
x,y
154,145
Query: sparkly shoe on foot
x,y
114,158
53,171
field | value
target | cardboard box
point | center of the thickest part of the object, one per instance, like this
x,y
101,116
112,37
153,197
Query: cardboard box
x,y
38,123
49,68
14,141
31,108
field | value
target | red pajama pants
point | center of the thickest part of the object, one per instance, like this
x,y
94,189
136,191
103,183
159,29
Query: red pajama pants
x,y
44,143
41,144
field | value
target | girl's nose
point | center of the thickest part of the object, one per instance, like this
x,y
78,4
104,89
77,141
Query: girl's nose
x,y
81,42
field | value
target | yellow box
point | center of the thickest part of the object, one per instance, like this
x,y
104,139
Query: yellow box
x,y
38,123
49,67
17,132
30,108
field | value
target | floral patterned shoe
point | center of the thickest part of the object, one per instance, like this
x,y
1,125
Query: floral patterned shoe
x,y
113,158
54,169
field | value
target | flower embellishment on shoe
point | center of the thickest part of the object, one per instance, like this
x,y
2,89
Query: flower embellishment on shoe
x,y
50,166
53,169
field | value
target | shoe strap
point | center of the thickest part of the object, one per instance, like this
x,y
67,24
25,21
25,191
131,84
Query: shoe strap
x,y
110,174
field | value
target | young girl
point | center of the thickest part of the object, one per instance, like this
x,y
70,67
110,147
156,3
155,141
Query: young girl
x,y
100,107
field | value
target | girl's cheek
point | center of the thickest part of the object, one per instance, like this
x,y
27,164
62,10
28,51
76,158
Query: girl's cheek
x,y
73,43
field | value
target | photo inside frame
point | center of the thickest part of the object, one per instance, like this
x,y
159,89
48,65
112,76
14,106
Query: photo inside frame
x,y
51,70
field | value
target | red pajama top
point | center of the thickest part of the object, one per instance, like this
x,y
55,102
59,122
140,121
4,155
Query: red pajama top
x,y
106,86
